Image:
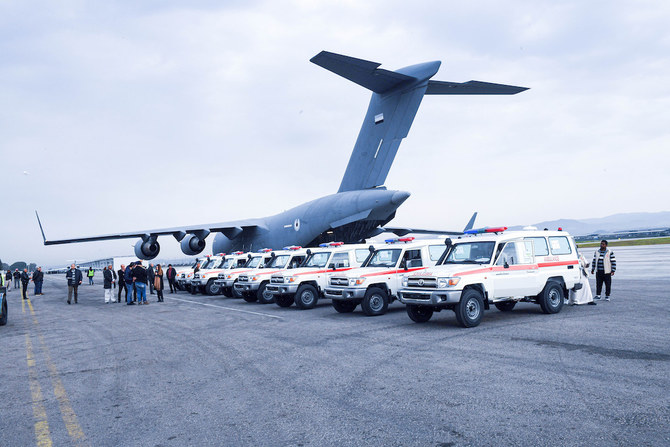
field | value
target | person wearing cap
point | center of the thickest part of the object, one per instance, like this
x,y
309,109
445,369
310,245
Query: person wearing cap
x,y
604,265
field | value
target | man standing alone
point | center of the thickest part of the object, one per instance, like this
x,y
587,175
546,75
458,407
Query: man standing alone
x,y
171,276
74,278
38,278
25,279
604,265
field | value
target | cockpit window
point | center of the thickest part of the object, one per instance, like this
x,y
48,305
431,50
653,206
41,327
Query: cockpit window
x,y
384,258
470,253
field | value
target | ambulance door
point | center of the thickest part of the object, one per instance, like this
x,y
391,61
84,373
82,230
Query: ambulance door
x,y
515,273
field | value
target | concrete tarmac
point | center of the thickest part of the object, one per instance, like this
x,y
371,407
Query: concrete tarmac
x,y
212,371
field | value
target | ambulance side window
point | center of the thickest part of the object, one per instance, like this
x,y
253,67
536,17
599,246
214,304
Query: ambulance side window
x,y
559,245
340,260
435,251
507,255
361,254
412,259
540,245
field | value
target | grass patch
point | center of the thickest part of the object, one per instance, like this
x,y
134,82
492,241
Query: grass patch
x,y
628,242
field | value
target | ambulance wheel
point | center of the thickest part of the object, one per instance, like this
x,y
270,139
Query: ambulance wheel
x,y
3,320
376,302
551,298
225,291
470,309
344,306
306,297
506,306
284,300
249,297
264,296
211,288
419,314
236,293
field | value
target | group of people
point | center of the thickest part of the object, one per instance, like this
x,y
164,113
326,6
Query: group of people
x,y
22,279
133,279
604,266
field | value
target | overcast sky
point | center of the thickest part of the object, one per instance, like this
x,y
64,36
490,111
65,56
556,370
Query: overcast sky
x,y
122,116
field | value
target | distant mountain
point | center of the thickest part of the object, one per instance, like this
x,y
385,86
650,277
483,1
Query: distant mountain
x,y
609,224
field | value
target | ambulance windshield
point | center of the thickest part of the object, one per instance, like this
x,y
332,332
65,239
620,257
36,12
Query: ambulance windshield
x,y
470,253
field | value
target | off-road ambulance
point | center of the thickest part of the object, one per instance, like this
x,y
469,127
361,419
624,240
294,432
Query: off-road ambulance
x,y
374,285
185,275
203,280
492,265
228,278
233,261
253,285
305,285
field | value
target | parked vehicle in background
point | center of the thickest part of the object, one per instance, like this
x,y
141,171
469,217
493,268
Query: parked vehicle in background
x,y
374,285
498,267
305,284
228,278
3,306
203,279
253,285
183,276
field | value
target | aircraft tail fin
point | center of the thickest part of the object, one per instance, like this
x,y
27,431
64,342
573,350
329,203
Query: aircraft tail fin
x,y
471,222
395,101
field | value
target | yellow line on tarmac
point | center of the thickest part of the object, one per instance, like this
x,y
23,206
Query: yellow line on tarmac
x,y
39,413
68,414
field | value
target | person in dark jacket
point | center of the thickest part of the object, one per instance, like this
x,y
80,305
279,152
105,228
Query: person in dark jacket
x,y
38,278
130,287
158,283
25,279
17,279
8,280
107,282
122,282
74,278
140,281
151,273
172,277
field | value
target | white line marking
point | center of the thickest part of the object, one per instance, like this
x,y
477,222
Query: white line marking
x,y
227,308
380,145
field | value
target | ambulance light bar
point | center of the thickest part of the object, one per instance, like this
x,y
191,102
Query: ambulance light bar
x,y
399,239
265,250
238,252
331,244
292,247
486,230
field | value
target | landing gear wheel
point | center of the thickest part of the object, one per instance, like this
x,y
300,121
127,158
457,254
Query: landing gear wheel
x,y
344,306
419,314
211,288
506,306
376,302
284,300
470,310
249,297
551,298
306,297
264,296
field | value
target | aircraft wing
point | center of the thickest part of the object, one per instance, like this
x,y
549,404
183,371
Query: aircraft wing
x,y
230,229
404,231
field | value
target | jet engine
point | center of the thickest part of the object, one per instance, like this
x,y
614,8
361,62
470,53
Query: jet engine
x,y
147,249
192,245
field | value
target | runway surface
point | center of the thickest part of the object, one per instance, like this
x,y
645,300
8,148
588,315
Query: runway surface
x,y
201,371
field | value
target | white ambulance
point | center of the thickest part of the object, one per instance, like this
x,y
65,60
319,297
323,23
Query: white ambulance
x,y
230,277
492,265
305,285
375,284
184,276
253,285
233,264
204,279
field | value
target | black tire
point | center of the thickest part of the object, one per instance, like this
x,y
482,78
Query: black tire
x,y
263,296
344,306
306,297
211,288
236,293
470,309
187,287
375,302
419,314
225,291
178,287
3,320
249,297
506,306
551,298
283,300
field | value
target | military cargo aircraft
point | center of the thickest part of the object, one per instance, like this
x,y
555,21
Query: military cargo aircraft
x,y
362,206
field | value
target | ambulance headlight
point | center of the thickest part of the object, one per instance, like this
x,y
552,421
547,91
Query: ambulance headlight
x,y
443,283
356,281
404,281
290,279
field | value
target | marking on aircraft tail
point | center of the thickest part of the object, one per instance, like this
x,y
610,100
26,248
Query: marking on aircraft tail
x,y
227,308
380,145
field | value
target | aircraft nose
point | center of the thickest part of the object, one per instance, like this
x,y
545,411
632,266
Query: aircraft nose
x,y
399,197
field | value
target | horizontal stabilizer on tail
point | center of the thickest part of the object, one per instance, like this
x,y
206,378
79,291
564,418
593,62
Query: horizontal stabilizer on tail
x,y
471,88
362,72
404,231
